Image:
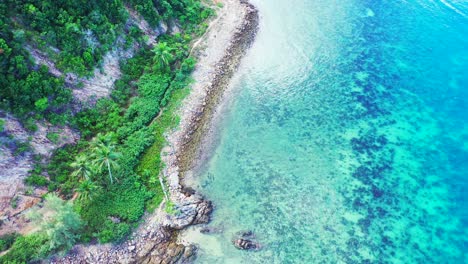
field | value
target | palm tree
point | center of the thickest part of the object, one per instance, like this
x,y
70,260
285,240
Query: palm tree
x,y
82,167
162,54
100,139
147,174
87,189
105,155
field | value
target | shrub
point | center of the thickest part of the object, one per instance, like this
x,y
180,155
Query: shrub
x,y
14,202
30,124
7,240
42,104
59,169
59,221
124,200
21,148
36,180
26,249
113,231
53,137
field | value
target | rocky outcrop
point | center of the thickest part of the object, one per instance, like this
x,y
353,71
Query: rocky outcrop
x,y
42,59
156,245
15,166
155,241
102,82
193,211
86,90
143,25
38,140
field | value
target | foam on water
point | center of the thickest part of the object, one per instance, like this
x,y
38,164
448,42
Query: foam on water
x,y
347,138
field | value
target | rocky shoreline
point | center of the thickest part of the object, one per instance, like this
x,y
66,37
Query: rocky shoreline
x,y
155,240
225,69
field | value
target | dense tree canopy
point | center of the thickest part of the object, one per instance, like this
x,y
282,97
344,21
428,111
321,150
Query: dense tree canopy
x,y
75,34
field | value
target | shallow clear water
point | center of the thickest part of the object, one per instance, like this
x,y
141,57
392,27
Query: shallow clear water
x,y
347,140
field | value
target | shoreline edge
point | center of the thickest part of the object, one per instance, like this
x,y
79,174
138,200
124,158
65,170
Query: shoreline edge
x,y
155,240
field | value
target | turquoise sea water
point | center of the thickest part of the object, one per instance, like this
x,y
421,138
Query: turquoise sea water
x,y
347,140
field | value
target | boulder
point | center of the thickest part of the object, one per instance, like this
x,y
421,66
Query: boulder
x,y
246,244
245,240
204,210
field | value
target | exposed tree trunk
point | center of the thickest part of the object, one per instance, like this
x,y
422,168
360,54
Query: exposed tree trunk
x,y
75,195
110,173
163,188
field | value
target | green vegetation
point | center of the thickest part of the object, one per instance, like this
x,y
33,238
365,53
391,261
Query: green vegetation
x,y
114,186
59,228
7,240
26,249
36,180
21,148
53,137
57,219
104,156
2,125
162,55
75,35
14,202
112,174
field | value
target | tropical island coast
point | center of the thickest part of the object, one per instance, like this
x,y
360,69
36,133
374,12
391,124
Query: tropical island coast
x,y
217,52
218,55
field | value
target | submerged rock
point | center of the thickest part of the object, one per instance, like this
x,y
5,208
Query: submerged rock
x,y
246,241
211,230
246,234
246,244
